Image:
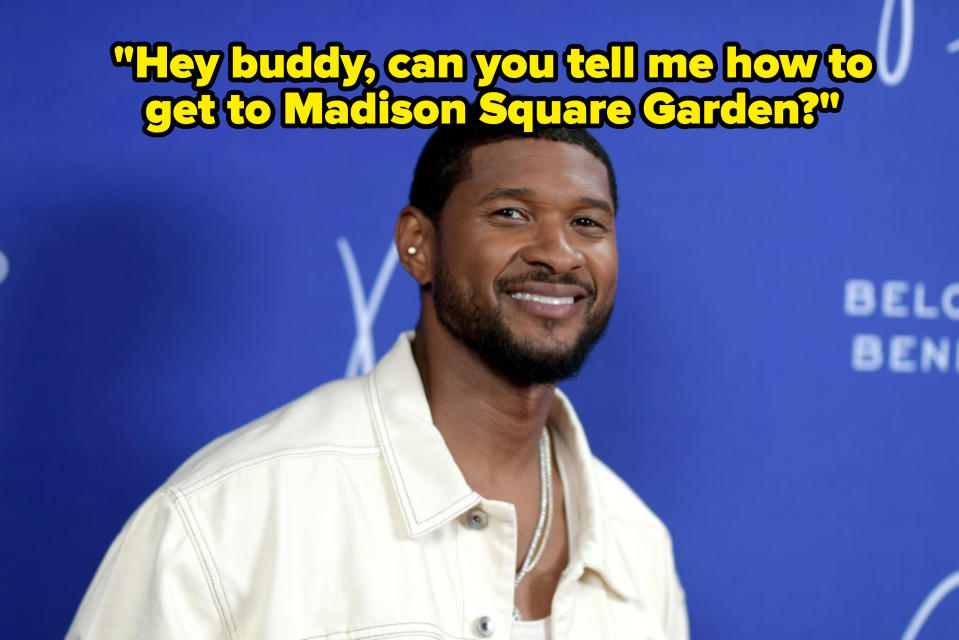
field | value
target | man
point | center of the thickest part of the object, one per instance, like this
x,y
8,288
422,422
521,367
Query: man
x,y
450,493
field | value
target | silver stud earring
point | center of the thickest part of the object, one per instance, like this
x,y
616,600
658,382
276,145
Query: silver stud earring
x,y
411,251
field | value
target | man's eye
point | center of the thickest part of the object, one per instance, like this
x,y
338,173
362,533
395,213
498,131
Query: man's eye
x,y
509,212
586,222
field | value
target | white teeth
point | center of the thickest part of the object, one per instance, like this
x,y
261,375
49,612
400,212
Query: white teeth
x,y
532,297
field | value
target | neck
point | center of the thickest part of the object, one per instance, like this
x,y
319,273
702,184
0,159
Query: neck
x,y
491,425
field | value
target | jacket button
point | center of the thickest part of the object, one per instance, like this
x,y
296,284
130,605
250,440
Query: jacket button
x,y
484,626
477,519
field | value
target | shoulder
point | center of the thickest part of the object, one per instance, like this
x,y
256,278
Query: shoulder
x,y
622,504
332,418
640,536
644,549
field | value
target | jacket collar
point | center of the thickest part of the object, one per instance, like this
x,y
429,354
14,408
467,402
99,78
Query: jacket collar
x,y
431,489
429,486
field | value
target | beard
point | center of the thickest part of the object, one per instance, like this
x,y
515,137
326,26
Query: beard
x,y
485,331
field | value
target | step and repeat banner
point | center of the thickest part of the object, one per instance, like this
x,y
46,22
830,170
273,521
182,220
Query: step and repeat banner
x,y
196,227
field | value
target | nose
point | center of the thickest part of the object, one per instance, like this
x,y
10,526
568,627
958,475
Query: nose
x,y
553,246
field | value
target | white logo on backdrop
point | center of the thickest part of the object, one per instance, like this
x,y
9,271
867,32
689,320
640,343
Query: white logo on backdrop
x,y
363,354
906,30
898,300
936,596
4,267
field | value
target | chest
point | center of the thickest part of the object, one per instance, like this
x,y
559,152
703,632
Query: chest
x,y
351,573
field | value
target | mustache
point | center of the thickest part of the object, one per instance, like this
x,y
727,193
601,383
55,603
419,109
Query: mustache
x,y
545,276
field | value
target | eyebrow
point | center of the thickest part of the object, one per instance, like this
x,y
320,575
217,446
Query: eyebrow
x,y
522,192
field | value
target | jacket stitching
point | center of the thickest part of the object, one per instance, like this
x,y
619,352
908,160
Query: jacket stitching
x,y
202,483
373,401
188,517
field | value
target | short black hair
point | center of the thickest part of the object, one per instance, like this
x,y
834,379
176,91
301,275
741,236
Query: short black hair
x,y
445,159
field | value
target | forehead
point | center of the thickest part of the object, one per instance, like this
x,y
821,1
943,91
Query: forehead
x,y
558,169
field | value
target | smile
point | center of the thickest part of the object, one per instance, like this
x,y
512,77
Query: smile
x,y
532,297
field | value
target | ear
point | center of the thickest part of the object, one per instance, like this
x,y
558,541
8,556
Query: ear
x,y
415,229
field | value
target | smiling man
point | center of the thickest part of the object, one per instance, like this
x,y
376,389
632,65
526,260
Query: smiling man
x,y
450,493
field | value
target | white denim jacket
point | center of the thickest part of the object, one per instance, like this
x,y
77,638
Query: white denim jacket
x,y
341,516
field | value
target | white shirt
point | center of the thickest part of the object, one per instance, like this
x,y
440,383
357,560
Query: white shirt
x,y
340,516
531,630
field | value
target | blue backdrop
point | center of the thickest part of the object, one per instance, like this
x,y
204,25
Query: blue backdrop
x,y
779,382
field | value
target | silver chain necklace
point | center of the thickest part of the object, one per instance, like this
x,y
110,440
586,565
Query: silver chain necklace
x,y
541,534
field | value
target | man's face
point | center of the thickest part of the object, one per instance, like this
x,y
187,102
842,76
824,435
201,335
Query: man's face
x,y
526,260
